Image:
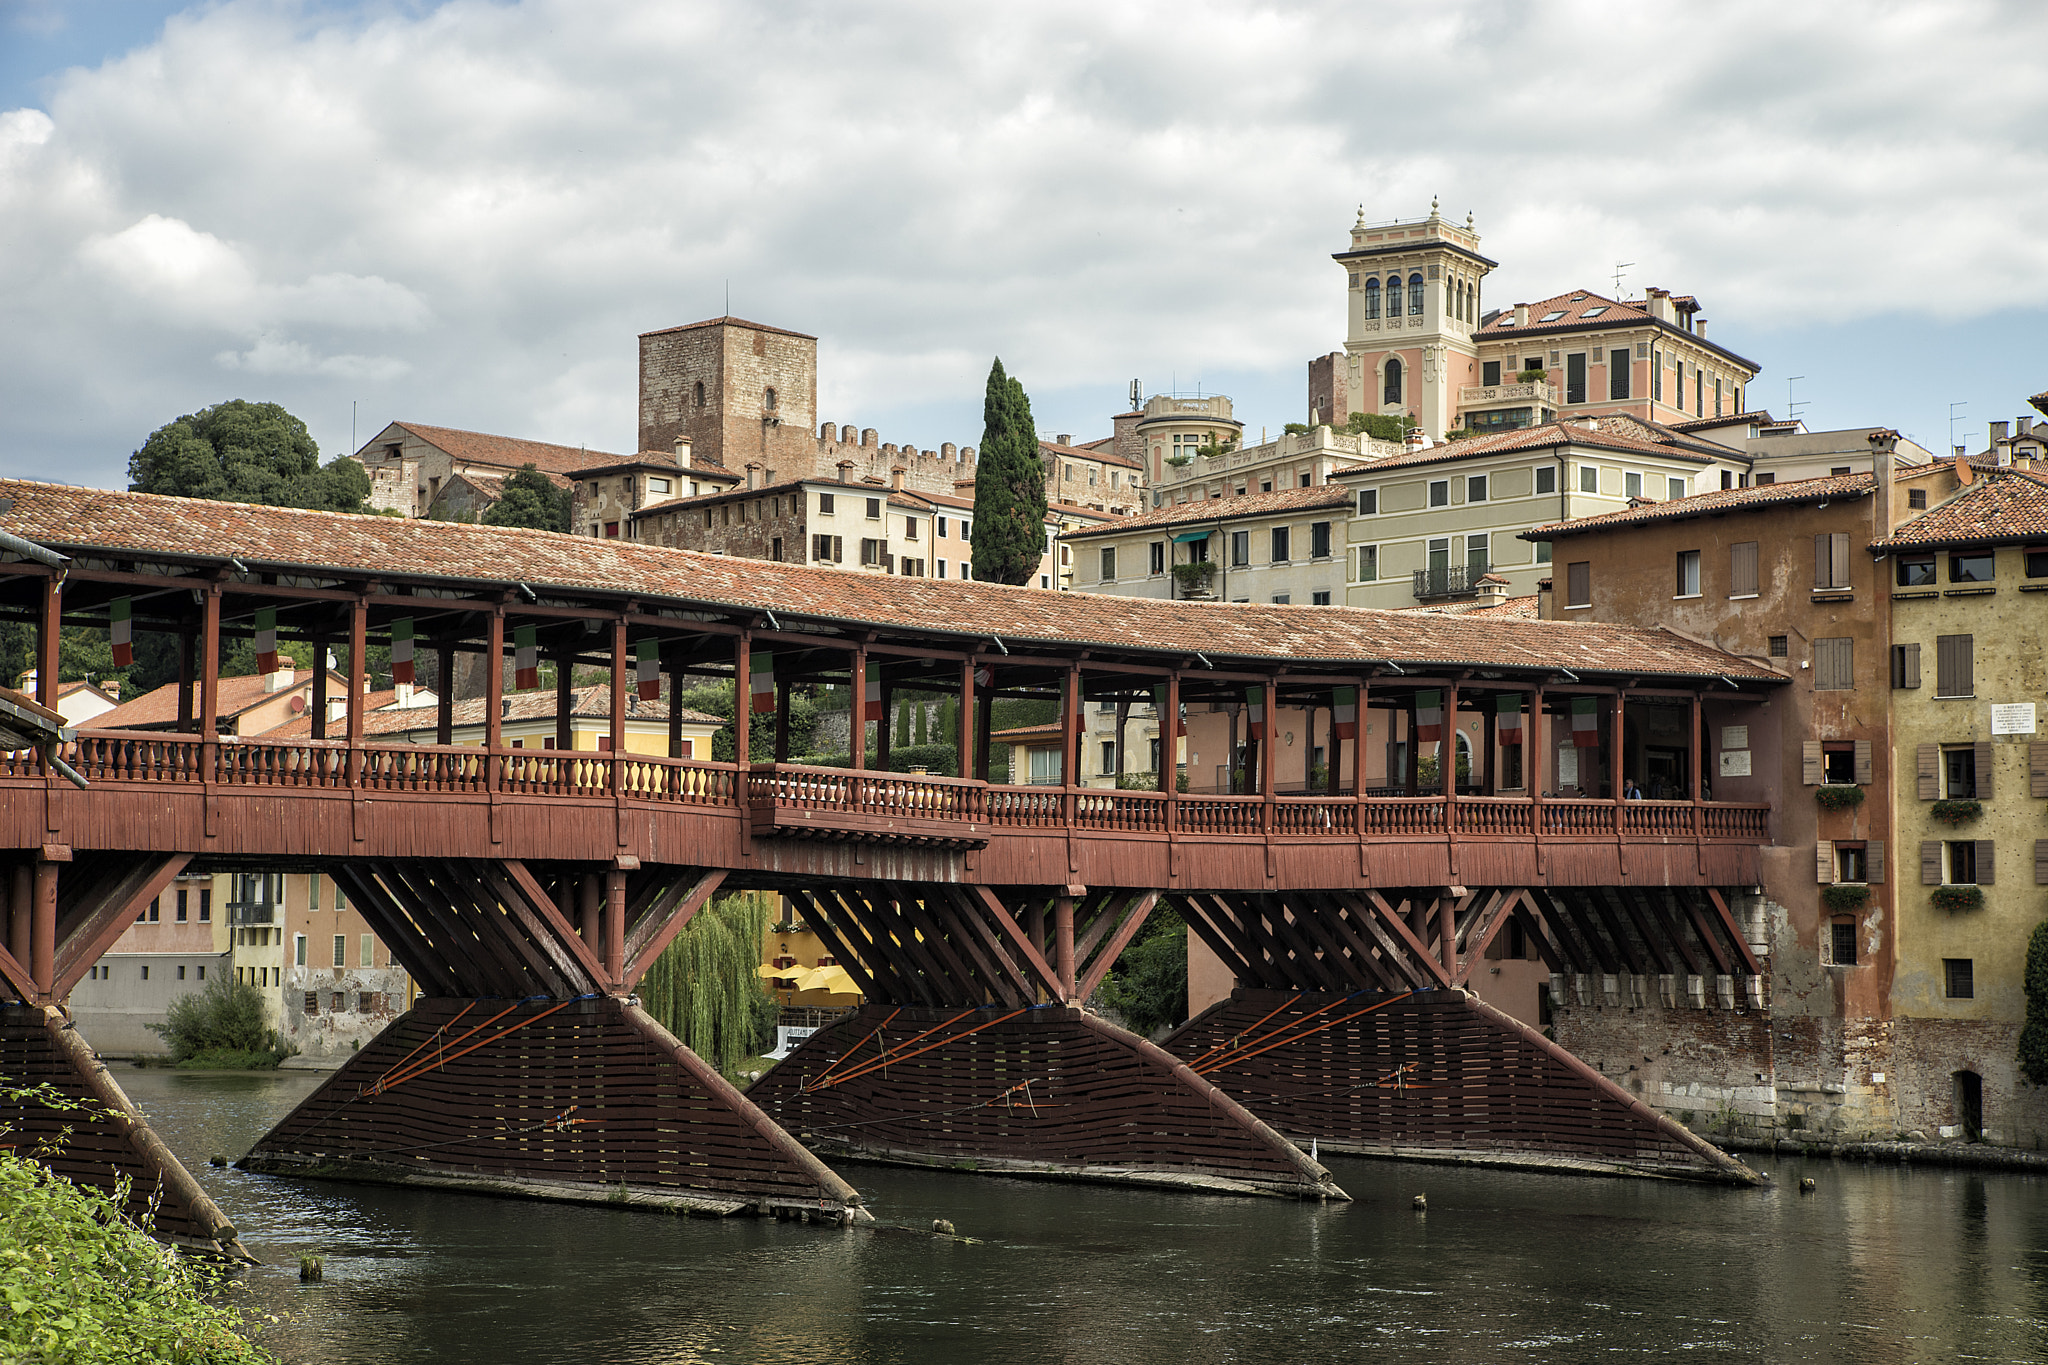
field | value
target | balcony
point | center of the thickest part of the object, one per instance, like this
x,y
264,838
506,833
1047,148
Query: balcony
x,y
1454,580
1537,391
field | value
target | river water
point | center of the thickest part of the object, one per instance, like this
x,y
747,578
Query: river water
x,y
1880,1265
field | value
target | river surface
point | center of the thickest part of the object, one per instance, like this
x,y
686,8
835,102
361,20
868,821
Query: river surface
x,y
1880,1265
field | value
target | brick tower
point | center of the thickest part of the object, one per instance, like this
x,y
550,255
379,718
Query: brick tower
x,y
742,392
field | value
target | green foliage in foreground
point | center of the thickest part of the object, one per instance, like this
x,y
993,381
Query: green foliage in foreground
x,y
1149,987
225,1018
2033,1056
80,1283
531,499
704,988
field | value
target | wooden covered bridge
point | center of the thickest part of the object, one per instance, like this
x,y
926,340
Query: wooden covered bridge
x,y
527,890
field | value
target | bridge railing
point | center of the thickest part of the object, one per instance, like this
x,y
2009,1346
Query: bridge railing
x,y
918,796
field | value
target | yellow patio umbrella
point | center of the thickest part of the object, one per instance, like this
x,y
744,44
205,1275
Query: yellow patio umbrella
x,y
765,971
834,979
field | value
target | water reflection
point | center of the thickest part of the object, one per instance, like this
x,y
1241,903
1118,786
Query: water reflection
x,y
1879,1265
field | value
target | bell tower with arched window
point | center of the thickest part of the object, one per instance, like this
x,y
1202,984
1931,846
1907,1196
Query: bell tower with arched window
x,y
1415,301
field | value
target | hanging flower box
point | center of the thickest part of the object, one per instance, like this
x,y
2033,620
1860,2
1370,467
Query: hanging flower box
x,y
1959,898
1840,900
1956,812
1838,797
1195,575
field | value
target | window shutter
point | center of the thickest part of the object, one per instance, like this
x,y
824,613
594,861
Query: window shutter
x,y
2037,769
1987,865
1864,764
1838,560
1811,767
1986,758
1929,756
2041,862
1742,577
1905,665
1873,862
1824,862
1823,557
1930,862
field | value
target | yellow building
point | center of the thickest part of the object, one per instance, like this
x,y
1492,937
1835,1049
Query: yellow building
x,y
530,723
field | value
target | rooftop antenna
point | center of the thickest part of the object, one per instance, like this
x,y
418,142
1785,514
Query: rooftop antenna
x,y
1953,418
1792,408
728,297
352,443
1619,266
1137,391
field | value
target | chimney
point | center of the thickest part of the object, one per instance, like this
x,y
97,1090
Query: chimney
x,y
1543,598
112,687
753,475
2023,425
1699,326
896,473
1521,315
1064,438
1883,444
845,468
280,680
682,450
2000,447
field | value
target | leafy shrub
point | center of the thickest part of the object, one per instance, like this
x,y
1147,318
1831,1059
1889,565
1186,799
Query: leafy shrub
x,y
1955,812
226,1017
1841,899
1838,797
1958,897
2033,1056
1148,989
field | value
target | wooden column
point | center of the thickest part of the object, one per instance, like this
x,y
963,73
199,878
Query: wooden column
x,y
1269,758
50,640
965,725
675,713
984,717
1169,749
1614,761
494,686
781,718
1695,774
320,686
358,668
1358,753
42,963
1413,778
885,728
21,901
615,928
444,695
209,669
565,697
857,715
1070,742
590,896
1063,945
1447,755
1489,735
618,708
743,708
185,700
1535,761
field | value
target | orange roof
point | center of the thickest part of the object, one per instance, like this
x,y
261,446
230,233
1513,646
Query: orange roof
x,y
1277,503
159,708
2002,507
1718,502
1582,310
1084,452
509,452
593,702
192,531
1529,438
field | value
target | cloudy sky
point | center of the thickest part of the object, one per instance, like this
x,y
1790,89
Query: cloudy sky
x,y
463,213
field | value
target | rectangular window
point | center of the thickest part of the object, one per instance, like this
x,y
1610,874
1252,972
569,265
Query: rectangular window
x,y
874,509
1959,977
1319,599
1632,484
1617,374
1831,561
1439,492
1368,502
1280,555
1688,573
1109,564
1975,566
824,504
1575,377
1914,571
1319,540
182,894
298,950
181,972
775,549
206,905
1475,488
910,528
1916,499
1283,599
1240,549
1675,488
1906,665
368,951
1589,479
1578,580
1779,646
1476,557
145,971
1959,772
1955,666
1742,569
1542,552
341,950
1962,862
1368,563
1699,392
1842,943
1158,557
1656,377
1546,479
1852,863
1489,373
1766,480
1834,664
2037,563
939,527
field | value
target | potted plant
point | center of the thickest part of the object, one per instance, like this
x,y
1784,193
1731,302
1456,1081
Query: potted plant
x,y
1959,898
1955,812
1531,376
1838,797
1194,577
1180,461
1845,897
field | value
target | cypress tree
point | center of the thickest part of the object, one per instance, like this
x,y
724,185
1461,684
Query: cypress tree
x,y
1009,486
2033,1051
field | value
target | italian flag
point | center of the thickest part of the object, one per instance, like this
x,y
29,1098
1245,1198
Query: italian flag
x,y
761,683
266,639
1586,722
1429,717
121,630
1255,702
401,651
1344,713
525,657
1507,708
984,678
647,668
1180,727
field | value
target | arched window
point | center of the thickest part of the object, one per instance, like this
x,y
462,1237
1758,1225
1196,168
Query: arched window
x,y
1372,298
700,394
1393,390
1415,295
1465,301
768,399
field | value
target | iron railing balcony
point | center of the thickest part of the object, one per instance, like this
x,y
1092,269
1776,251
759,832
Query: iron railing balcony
x,y
1455,580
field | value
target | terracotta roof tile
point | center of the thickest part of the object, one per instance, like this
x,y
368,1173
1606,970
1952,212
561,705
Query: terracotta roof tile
x,y
1084,452
2040,402
1761,417
1719,501
160,706
1550,434
1571,308
2003,507
510,452
729,322
589,703
1234,508
141,524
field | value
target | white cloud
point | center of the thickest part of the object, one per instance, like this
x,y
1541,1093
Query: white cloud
x,y
464,214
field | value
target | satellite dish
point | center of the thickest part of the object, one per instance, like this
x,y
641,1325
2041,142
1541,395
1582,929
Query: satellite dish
x,y
298,705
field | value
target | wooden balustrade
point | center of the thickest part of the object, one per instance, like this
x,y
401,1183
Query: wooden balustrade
x,y
1402,815
1562,816
1220,814
1313,818
1495,815
1132,812
1027,807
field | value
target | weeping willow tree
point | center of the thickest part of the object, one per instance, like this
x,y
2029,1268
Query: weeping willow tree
x,y
704,987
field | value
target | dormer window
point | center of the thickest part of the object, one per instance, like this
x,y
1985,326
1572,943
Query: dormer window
x,y
1552,316
1594,312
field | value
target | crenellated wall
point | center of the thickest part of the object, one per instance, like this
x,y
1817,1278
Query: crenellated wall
x,y
873,461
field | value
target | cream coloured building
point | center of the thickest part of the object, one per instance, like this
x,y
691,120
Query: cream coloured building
x,y
1283,546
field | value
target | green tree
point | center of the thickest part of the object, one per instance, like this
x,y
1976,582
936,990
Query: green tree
x,y
222,1026
1148,988
533,500
240,451
1009,486
704,988
2033,1056
1380,426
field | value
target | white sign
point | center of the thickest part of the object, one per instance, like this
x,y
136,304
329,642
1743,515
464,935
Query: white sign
x,y
1568,766
1735,736
2012,718
1735,763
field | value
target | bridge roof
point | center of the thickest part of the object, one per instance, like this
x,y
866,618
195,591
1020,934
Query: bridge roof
x,y
945,613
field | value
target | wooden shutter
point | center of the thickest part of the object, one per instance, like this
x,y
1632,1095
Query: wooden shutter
x,y
1579,584
1930,862
1742,577
1823,560
1905,665
1929,765
1987,863
1953,671
1986,758
1824,862
2041,862
1812,768
1838,560
1873,862
1834,664
1864,763
2037,770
